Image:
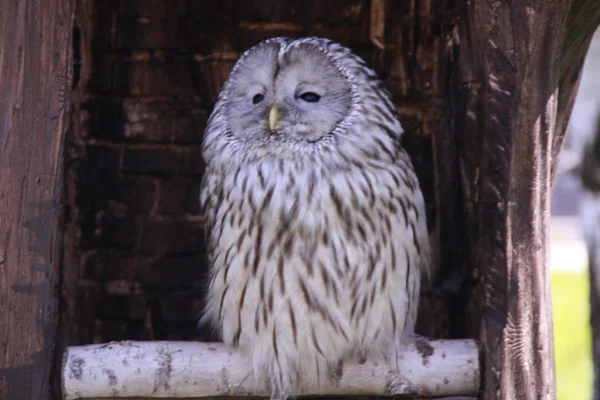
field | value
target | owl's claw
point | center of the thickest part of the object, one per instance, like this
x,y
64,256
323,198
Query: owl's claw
x,y
276,396
336,371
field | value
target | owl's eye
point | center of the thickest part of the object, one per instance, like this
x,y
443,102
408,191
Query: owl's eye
x,y
310,97
257,98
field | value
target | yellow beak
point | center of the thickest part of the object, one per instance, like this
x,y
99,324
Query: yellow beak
x,y
273,118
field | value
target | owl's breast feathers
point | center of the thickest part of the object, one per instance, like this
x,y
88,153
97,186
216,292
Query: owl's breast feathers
x,y
350,233
308,267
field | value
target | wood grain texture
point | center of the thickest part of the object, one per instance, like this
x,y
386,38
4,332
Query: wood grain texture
x,y
35,83
508,87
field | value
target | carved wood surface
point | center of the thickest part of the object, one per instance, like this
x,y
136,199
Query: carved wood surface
x,y
510,80
35,85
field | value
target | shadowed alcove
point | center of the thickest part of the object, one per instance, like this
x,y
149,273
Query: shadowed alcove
x,y
148,73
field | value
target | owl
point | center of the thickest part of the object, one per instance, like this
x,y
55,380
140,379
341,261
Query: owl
x,y
317,234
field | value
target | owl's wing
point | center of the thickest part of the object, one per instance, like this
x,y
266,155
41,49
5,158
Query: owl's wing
x,y
211,196
410,183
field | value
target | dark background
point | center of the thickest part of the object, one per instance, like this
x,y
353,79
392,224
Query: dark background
x,y
147,75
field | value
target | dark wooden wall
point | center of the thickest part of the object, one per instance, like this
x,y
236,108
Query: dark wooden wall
x,y
148,73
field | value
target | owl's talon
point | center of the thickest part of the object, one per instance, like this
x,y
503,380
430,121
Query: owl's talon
x,y
275,395
336,371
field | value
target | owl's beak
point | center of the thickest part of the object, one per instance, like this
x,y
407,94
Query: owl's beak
x,y
273,118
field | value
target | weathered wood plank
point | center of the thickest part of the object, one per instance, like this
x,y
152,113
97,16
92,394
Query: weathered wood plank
x,y
35,83
507,123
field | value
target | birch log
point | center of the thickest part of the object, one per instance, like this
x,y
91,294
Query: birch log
x,y
191,369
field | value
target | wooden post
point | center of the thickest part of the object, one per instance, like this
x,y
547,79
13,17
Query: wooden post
x,y
35,84
512,91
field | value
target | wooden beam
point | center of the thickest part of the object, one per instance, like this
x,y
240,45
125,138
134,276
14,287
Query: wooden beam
x,y
199,370
508,83
35,84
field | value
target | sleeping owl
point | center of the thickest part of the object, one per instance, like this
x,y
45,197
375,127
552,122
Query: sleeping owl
x,y
317,233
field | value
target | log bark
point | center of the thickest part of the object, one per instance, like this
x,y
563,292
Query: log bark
x,y
512,89
35,83
200,370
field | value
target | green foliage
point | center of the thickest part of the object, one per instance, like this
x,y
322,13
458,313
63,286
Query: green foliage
x,y
572,336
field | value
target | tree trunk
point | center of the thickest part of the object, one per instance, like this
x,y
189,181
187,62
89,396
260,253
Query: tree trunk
x,y
35,84
514,70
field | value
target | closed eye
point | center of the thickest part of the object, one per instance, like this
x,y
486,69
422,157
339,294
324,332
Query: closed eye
x,y
310,97
257,98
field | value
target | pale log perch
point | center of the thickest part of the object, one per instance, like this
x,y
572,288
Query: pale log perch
x,y
192,369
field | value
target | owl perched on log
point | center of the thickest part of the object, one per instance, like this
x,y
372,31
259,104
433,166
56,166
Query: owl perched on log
x,y
317,232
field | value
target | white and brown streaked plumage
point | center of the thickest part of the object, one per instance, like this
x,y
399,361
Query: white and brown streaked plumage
x,y
317,224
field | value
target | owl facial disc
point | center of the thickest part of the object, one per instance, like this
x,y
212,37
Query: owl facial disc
x,y
287,93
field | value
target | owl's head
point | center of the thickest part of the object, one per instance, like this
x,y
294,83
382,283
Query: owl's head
x,y
298,93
